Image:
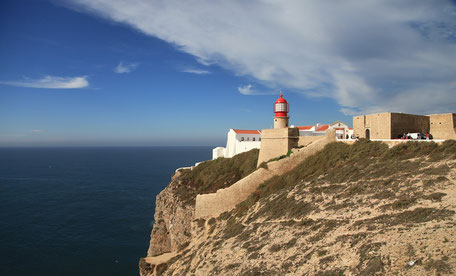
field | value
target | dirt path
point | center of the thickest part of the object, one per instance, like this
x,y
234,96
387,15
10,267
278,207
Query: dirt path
x,y
163,258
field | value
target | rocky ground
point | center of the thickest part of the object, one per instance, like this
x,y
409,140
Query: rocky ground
x,y
349,210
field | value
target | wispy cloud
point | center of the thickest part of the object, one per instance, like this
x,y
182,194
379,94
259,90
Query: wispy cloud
x,y
251,91
51,82
122,68
366,55
246,89
196,71
36,130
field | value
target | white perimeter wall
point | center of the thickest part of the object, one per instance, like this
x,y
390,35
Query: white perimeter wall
x,y
218,152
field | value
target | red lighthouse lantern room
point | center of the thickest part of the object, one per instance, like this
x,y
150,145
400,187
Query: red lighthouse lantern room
x,y
281,107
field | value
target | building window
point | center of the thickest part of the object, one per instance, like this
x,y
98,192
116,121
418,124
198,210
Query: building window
x,y
253,139
242,139
247,138
259,139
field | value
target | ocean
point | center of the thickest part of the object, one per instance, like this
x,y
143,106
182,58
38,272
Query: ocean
x,y
82,211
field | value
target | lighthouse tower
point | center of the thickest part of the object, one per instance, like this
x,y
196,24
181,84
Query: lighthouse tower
x,y
279,140
281,109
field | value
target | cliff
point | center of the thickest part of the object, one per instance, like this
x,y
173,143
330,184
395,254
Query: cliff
x,y
175,205
361,209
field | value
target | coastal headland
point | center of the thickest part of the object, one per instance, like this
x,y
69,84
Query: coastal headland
x,y
334,209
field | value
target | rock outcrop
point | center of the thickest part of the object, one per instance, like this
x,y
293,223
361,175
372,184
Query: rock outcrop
x,y
172,220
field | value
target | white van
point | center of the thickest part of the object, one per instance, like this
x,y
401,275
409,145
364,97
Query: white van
x,y
417,136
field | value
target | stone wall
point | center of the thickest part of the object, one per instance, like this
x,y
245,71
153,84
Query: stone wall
x,y
277,142
212,205
443,126
306,140
379,125
224,200
407,123
391,125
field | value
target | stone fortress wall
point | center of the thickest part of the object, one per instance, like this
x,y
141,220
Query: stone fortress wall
x,y
307,140
443,126
407,123
277,142
378,124
390,125
224,200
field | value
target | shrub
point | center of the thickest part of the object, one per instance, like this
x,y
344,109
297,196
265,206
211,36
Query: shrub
x,y
212,175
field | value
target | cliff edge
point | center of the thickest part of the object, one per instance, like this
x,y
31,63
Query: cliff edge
x,y
175,205
361,209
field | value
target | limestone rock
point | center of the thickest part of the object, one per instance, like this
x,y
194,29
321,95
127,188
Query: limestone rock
x,y
172,220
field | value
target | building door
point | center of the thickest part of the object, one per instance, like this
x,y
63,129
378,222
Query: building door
x,y
367,134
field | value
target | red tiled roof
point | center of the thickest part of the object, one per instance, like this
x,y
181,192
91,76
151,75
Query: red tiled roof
x,y
322,128
350,128
304,127
243,131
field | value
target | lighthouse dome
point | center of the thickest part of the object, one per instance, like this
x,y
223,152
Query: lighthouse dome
x,y
281,99
281,107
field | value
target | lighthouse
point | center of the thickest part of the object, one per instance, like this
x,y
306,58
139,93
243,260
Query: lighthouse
x,y
281,139
281,109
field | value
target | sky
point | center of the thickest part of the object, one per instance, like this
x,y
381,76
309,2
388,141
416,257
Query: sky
x,y
182,73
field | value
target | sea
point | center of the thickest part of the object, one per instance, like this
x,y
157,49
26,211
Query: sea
x,y
82,210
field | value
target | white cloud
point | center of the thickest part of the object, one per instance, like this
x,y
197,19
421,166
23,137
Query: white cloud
x,y
367,55
196,71
122,68
246,89
36,130
249,90
51,82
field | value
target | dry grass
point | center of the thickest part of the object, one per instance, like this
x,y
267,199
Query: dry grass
x,y
336,214
384,168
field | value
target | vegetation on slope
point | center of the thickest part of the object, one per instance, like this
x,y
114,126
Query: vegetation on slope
x,y
363,209
212,175
365,160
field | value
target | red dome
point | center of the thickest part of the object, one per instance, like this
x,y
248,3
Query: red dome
x,y
281,107
281,100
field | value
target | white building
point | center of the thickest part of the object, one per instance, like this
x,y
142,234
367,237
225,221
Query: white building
x,y
342,130
238,141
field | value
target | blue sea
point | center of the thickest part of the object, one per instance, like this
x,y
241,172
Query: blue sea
x,y
82,211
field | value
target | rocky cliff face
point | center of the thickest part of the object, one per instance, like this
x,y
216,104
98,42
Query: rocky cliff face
x,y
172,219
348,210
175,205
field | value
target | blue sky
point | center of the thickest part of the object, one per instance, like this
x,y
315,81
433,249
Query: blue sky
x,y
99,72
